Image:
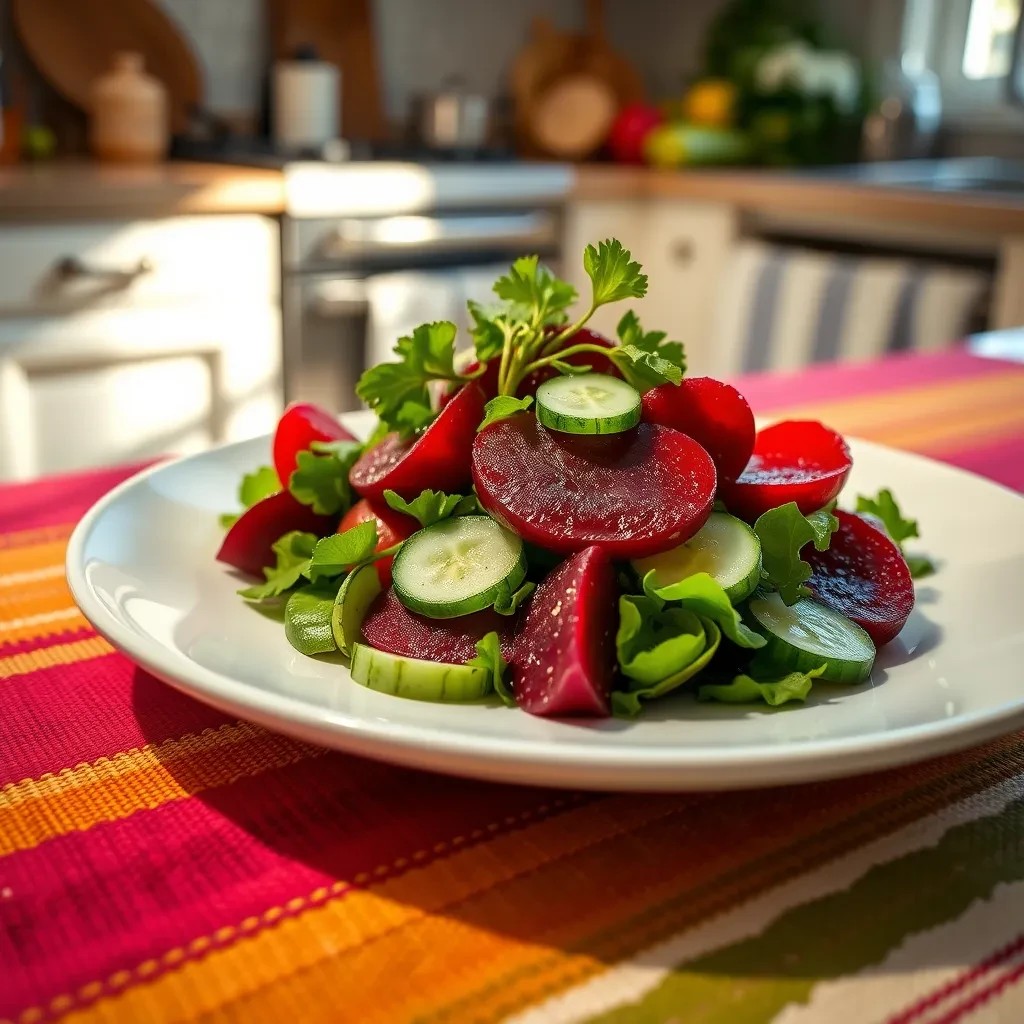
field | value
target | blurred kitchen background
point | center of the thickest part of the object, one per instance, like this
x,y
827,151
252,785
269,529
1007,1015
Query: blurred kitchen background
x,y
211,207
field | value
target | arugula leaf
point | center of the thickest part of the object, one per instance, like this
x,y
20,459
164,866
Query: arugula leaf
x,y
745,689
291,553
613,273
644,370
398,391
530,284
783,532
254,487
507,603
429,508
502,407
320,478
488,656
705,596
899,528
631,333
336,554
307,618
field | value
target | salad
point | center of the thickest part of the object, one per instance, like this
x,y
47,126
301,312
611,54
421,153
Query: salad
x,y
568,523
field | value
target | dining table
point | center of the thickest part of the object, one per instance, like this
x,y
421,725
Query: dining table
x,y
162,861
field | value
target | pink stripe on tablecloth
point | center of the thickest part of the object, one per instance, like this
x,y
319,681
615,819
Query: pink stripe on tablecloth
x,y
91,709
830,381
58,499
1002,461
193,866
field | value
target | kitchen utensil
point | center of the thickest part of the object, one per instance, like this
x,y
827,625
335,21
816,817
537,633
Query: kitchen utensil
x,y
306,95
452,118
72,48
344,36
128,113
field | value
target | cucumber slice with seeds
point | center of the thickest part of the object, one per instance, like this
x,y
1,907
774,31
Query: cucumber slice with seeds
x,y
806,635
417,679
725,547
590,403
354,598
458,566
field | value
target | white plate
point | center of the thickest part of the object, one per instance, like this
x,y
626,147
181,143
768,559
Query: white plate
x,y
141,567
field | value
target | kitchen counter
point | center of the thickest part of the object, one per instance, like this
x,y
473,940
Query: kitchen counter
x,y
805,194
87,190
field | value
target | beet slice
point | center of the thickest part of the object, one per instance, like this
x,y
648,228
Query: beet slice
x,y
796,460
438,458
564,657
392,527
300,425
864,576
390,626
248,544
633,494
713,413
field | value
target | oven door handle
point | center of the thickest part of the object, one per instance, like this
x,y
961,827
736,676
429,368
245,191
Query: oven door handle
x,y
341,297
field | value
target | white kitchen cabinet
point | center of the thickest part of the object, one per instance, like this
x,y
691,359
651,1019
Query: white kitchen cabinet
x,y
123,341
684,246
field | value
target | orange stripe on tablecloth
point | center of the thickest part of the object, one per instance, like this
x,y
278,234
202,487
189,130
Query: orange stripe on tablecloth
x,y
57,654
110,788
439,926
32,555
978,429
37,625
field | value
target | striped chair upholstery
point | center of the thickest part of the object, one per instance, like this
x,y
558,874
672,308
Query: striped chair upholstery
x,y
783,307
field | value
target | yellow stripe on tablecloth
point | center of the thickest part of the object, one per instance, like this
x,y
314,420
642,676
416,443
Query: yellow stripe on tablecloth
x,y
58,654
28,577
111,788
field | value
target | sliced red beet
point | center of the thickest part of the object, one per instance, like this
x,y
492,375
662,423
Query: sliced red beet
x,y
248,544
299,426
390,626
564,657
863,576
633,494
796,460
713,413
438,458
392,527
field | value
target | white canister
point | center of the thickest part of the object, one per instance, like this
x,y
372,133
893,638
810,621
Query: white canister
x,y
306,103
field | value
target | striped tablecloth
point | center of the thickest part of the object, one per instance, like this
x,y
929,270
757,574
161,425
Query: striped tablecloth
x,y
161,862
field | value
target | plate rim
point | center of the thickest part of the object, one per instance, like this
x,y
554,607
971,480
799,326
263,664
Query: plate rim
x,y
515,760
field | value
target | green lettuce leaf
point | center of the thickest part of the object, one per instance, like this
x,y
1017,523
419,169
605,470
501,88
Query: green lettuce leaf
x,y
335,555
502,407
320,478
783,532
654,642
702,594
745,689
254,487
488,656
898,527
307,618
291,559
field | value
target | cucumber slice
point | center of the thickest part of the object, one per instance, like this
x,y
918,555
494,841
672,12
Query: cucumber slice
x,y
807,634
725,547
591,403
458,566
351,605
417,679
307,619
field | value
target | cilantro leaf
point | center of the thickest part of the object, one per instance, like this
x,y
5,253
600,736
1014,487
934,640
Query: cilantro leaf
x,y
254,487
429,508
644,370
398,391
783,532
469,506
613,273
487,333
320,478
489,656
502,407
291,553
507,603
746,689
631,333
899,528
531,285
336,554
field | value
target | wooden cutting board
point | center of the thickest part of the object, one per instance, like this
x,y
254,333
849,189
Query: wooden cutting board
x,y
71,48
343,33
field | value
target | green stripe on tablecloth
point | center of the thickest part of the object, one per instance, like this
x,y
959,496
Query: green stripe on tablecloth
x,y
749,982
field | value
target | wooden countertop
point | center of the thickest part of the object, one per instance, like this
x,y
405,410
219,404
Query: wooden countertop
x,y
780,193
89,190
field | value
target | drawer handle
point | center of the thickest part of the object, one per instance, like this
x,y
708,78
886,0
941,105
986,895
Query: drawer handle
x,y
71,268
682,250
